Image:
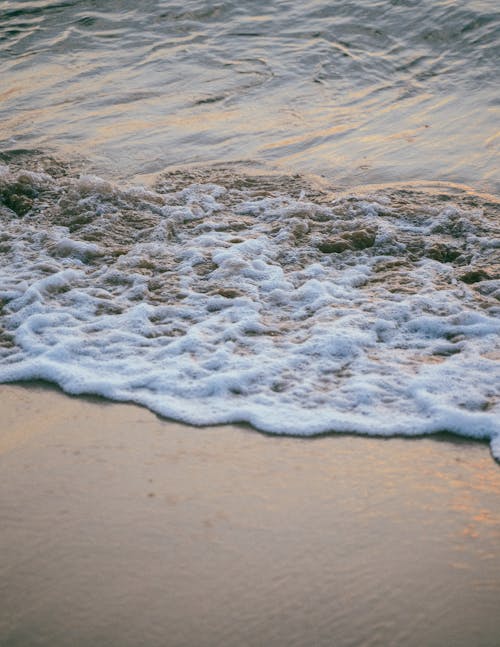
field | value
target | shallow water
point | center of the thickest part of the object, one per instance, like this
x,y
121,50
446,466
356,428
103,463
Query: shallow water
x,y
167,238
362,92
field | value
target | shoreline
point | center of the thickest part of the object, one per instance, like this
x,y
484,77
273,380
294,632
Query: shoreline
x,y
42,386
123,528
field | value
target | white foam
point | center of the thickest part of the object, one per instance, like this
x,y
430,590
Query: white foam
x,y
209,324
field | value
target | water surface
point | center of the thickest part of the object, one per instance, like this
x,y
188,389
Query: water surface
x,y
166,237
362,92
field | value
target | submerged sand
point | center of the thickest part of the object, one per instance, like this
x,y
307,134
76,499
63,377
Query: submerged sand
x,y
119,528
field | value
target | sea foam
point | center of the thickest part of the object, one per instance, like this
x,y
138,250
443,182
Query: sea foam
x,y
221,301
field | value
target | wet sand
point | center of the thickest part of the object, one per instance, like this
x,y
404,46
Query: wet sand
x,y
119,528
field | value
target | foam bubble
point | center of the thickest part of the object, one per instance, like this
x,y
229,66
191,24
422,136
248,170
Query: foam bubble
x,y
214,303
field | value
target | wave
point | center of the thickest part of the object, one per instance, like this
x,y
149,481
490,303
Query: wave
x,y
216,295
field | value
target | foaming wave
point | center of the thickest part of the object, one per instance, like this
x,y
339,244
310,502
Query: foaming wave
x,y
215,297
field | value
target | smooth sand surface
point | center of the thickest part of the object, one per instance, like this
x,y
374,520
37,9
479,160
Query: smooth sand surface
x,y
118,528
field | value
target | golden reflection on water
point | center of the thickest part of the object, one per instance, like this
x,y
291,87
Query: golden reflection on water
x,y
472,494
303,137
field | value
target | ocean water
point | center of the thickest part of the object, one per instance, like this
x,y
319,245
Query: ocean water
x,y
286,214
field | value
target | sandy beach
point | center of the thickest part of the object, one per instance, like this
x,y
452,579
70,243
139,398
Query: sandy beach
x,y
119,528
263,239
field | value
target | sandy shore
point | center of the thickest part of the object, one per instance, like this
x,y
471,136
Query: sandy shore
x,y
118,528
